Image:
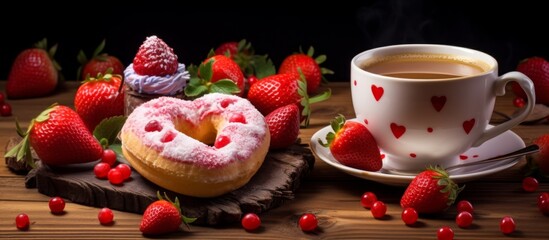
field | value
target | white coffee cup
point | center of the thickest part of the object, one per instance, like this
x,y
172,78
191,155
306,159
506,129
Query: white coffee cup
x,y
425,104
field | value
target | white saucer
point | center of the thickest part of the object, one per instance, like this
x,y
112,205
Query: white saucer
x,y
504,143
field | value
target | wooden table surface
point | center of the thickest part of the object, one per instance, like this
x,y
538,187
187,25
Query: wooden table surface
x,y
331,194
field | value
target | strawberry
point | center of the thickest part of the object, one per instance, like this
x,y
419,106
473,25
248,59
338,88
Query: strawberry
x,y
99,63
244,55
284,126
163,216
99,98
309,66
431,191
537,69
228,49
155,58
59,137
216,74
541,158
280,90
353,145
34,72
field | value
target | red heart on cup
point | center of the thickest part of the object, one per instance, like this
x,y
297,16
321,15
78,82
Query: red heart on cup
x,y
377,91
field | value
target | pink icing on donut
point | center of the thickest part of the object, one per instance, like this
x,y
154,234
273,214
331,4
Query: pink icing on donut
x,y
170,113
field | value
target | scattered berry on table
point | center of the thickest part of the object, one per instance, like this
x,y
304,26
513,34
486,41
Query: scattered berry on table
x,y
465,206
101,170
251,222
115,176
109,156
378,209
57,205
519,102
368,199
125,169
507,225
22,221
530,184
5,109
464,219
445,233
105,216
409,216
543,202
308,222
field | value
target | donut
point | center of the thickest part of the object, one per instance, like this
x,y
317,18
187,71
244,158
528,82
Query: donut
x,y
201,148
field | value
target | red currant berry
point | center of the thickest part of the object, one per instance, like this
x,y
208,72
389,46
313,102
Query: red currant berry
x,y
5,110
251,222
109,156
168,137
507,225
445,233
222,141
125,170
368,199
465,206
57,205
22,221
153,126
378,209
530,184
238,117
252,80
543,206
115,176
308,222
519,102
105,216
2,98
101,170
543,196
409,216
464,219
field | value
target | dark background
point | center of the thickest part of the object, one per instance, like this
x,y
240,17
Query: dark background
x,y
510,30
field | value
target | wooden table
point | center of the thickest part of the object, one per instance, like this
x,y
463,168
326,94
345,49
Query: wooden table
x,y
329,193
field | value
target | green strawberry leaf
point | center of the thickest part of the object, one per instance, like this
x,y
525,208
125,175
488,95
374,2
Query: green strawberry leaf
x,y
117,148
195,81
320,59
242,45
193,70
52,51
226,86
193,91
205,70
109,128
81,57
99,49
326,71
311,51
42,44
211,53
263,66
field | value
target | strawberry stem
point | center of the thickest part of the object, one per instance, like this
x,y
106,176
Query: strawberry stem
x,y
337,124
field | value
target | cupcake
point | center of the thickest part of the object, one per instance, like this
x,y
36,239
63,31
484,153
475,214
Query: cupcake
x,y
155,72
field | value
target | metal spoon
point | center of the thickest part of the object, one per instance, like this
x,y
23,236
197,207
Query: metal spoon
x,y
514,155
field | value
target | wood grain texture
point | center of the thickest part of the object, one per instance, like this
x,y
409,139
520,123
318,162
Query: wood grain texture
x,y
333,195
273,184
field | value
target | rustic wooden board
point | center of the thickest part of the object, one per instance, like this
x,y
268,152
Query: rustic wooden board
x,y
274,183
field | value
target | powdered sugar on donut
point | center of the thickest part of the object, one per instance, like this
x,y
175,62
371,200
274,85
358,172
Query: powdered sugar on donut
x,y
177,116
